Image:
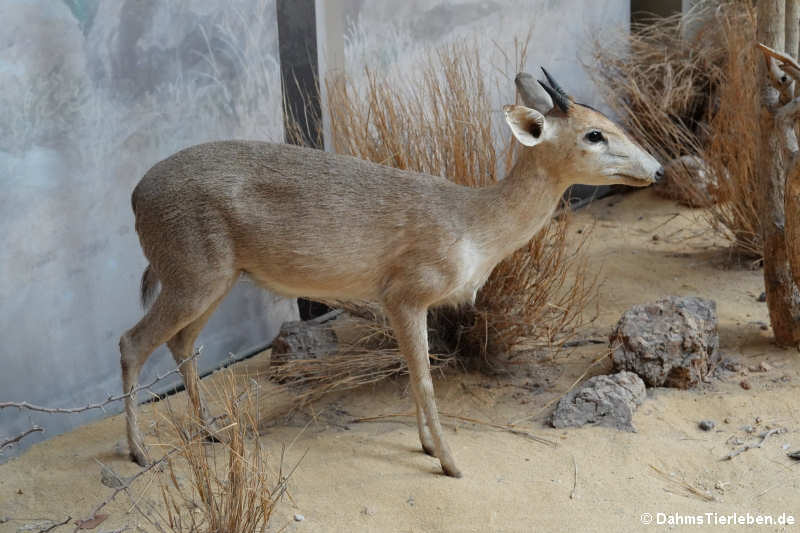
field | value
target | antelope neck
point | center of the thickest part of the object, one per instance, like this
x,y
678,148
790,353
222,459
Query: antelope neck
x,y
513,210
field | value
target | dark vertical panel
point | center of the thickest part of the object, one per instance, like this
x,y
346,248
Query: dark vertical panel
x,y
297,44
641,10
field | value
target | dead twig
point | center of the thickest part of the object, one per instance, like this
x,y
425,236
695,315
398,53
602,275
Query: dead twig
x,y
12,440
99,405
508,428
764,436
126,484
574,490
53,526
688,490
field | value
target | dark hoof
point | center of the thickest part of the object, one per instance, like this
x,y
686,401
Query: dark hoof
x,y
456,473
139,459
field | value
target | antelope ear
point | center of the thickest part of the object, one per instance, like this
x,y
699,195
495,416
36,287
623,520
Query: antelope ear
x,y
526,124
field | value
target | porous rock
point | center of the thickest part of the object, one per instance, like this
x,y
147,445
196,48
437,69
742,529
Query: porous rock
x,y
303,340
673,342
602,400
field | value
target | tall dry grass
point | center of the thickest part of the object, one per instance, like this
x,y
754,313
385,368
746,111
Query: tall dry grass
x,y
682,92
233,489
443,123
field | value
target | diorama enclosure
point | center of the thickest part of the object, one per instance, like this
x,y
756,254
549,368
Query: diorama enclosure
x,y
547,255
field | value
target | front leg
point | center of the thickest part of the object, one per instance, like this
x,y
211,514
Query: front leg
x,y
411,330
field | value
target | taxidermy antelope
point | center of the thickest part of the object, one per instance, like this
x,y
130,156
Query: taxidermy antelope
x,y
410,241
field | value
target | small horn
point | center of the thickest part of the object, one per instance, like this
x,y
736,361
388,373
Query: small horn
x,y
559,98
554,84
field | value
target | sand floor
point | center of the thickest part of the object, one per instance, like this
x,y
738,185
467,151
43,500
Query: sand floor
x,y
372,476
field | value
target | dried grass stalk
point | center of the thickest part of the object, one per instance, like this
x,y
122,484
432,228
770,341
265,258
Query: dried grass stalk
x,y
235,493
732,149
694,93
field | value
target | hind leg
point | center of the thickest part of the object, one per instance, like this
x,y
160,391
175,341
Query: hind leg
x,y
173,310
425,437
182,348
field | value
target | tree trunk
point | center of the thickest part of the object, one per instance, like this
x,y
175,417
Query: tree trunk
x,y
783,298
792,192
792,210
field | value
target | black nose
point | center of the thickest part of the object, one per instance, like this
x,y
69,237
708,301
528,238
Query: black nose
x,y
659,174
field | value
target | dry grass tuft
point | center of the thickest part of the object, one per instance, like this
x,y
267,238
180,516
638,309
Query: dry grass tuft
x,y
682,92
732,149
536,297
235,493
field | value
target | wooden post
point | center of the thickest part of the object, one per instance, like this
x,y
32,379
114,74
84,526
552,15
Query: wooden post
x,y
783,298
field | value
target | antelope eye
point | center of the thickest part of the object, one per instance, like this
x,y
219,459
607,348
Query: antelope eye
x,y
595,136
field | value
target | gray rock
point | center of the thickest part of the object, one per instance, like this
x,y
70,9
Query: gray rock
x,y
303,340
673,342
602,400
333,332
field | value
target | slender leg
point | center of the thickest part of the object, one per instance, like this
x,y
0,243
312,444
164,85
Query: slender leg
x,y
170,313
411,330
424,431
182,347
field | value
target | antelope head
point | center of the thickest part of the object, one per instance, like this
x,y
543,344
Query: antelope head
x,y
578,143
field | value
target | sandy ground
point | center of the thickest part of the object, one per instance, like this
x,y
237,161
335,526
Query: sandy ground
x,y
373,477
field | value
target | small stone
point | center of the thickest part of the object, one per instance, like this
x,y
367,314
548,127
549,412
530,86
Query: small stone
x,y
744,384
410,501
706,425
111,479
368,511
727,420
764,366
299,518
20,492
748,429
762,297
758,420
602,400
4,519
794,455
656,237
